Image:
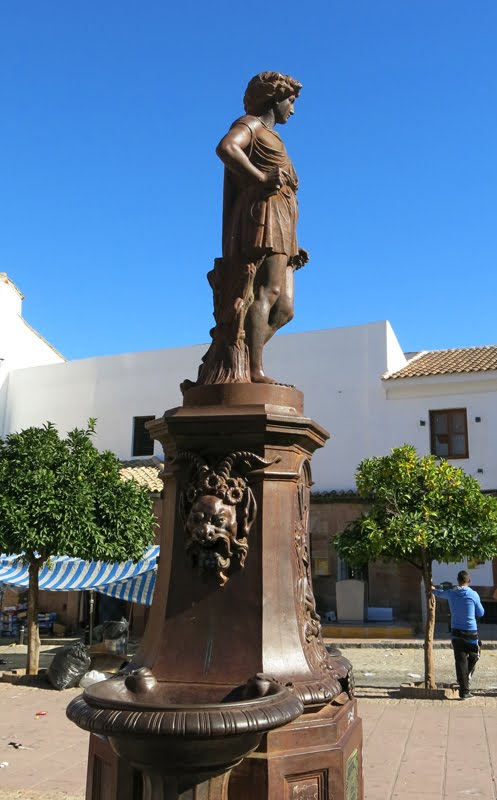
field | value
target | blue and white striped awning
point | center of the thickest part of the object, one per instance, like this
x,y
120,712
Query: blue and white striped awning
x,y
63,574
134,590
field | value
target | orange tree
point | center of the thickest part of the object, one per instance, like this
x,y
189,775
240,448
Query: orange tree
x,y
420,510
61,496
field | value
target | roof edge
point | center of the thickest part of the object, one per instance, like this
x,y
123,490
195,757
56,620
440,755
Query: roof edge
x,y
4,278
45,341
387,375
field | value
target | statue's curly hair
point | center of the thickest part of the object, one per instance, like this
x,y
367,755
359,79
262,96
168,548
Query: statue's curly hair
x,y
268,88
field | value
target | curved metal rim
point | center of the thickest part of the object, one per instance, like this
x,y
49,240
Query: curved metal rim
x,y
201,722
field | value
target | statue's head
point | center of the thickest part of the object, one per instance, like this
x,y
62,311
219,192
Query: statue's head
x,y
268,89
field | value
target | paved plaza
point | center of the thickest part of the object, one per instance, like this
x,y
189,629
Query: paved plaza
x,y
413,750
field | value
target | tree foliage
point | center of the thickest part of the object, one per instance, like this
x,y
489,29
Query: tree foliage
x,y
419,508
61,496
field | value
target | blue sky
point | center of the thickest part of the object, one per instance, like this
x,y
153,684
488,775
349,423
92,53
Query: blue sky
x,y
111,190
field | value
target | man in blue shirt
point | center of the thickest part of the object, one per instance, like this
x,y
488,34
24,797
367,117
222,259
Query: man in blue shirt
x,y
465,607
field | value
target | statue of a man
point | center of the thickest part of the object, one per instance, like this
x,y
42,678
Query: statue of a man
x,y
253,282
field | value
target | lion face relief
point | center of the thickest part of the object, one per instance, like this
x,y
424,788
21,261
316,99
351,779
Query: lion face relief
x,y
218,509
212,529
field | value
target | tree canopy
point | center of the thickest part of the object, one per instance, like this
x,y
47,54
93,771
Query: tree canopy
x,y
419,508
62,496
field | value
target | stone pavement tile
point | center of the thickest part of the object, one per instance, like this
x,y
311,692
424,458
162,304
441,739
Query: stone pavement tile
x,y
28,794
469,769
26,771
12,794
386,752
421,767
371,718
41,768
439,730
468,784
422,770
65,769
417,795
71,781
376,790
57,747
490,722
385,746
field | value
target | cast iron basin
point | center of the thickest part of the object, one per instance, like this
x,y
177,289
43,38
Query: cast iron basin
x,y
173,728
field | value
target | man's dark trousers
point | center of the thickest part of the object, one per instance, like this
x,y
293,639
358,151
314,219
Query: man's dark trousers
x,y
466,654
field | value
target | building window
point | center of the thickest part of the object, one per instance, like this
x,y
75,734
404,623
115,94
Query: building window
x,y
143,445
320,566
449,433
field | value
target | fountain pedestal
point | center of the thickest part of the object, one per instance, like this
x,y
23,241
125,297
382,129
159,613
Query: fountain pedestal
x,y
233,599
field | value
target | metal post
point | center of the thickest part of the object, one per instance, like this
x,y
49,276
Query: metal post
x,y
92,607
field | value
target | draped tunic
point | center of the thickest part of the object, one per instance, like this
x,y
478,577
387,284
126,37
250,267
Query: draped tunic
x,y
258,221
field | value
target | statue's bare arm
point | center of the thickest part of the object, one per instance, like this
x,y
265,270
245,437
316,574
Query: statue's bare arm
x,y
231,152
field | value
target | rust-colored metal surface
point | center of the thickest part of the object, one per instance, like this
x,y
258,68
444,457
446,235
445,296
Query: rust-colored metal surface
x,y
263,619
232,694
253,282
233,652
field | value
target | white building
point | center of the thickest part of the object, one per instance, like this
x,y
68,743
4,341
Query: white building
x,y
356,380
20,345
444,401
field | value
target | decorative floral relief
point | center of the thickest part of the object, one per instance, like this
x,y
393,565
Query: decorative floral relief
x,y
310,619
218,508
337,668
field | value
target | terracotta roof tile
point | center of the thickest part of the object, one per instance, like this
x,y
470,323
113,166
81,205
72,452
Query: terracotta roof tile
x,y
449,362
144,471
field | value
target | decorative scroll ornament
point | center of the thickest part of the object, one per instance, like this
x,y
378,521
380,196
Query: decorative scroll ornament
x,y
334,666
310,619
218,509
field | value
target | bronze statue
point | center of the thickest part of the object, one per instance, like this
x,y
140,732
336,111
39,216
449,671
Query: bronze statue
x,y
253,282
234,597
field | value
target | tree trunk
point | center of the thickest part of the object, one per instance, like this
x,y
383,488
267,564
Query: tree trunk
x,y
430,623
33,631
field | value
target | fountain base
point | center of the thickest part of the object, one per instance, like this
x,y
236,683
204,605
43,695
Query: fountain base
x,y
233,598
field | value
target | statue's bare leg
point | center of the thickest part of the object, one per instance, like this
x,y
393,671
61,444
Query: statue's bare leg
x,y
270,284
283,310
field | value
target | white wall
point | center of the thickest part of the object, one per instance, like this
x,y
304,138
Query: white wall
x,y
114,389
339,371
411,399
481,574
10,297
20,345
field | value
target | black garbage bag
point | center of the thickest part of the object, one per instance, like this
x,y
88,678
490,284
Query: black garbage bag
x,y
115,629
68,666
98,634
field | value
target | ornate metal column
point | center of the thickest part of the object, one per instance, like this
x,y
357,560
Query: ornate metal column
x,y
233,649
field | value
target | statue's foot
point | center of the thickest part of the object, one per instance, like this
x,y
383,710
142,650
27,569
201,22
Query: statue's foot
x,y
258,376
